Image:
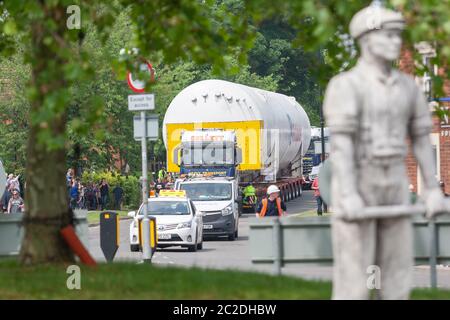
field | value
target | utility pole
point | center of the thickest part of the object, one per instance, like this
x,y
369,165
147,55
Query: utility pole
x,y
146,249
322,121
322,134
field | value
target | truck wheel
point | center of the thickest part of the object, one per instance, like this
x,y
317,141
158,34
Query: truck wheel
x,y
134,247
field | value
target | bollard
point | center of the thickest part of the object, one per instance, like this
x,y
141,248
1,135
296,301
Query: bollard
x,y
151,235
109,234
433,253
277,246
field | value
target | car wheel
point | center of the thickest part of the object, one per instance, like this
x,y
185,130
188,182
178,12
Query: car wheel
x,y
236,234
232,236
192,248
200,246
134,247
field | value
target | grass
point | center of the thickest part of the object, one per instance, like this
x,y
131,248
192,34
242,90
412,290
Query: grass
x,y
133,281
94,216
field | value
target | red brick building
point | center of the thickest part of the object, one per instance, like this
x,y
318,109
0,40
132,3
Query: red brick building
x,y
440,136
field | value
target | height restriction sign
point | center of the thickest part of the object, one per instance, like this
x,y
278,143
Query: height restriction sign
x,y
137,85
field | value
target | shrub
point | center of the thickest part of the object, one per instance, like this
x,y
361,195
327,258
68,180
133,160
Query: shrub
x,y
130,184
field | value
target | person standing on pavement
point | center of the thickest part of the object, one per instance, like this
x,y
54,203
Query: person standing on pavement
x,y
118,197
16,204
74,195
104,193
271,206
320,203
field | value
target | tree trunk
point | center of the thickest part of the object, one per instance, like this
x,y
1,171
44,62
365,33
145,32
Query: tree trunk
x,y
47,209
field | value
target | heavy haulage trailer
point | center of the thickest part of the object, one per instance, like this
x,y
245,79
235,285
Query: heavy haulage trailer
x,y
219,128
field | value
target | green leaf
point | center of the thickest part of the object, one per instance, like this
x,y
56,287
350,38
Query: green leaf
x,y
10,28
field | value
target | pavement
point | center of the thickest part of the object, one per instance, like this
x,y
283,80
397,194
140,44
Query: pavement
x,y
224,254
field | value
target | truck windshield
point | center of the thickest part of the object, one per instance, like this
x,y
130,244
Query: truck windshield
x,y
166,208
207,191
207,154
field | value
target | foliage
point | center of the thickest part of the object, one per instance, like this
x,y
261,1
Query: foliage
x,y
130,185
324,25
14,109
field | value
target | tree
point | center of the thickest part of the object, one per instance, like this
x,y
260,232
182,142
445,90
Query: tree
x,y
179,29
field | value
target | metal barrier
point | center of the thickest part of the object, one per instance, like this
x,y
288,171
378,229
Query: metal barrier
x,y
11,232
307,240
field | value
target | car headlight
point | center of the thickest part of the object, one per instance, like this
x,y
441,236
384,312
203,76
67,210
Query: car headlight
x,y
227,210
184,225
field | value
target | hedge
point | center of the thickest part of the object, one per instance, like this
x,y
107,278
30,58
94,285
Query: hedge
x,y
130,184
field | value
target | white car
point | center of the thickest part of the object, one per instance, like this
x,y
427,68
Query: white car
x,y
178,223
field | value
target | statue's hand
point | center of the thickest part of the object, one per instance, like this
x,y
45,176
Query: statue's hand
x,y
436,203
352,207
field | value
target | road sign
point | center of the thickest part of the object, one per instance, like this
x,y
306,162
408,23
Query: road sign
x,y
137,85
141,102
2,179
109,234
152,127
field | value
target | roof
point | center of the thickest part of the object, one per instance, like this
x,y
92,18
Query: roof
x,y
168,199
207,180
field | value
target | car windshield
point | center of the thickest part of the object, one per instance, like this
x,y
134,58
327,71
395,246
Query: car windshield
x,y
207,191
166,208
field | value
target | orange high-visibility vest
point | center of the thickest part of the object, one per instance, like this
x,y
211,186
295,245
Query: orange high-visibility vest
x,y
264,207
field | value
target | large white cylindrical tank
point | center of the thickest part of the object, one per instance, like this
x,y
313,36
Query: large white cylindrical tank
x,y
287,130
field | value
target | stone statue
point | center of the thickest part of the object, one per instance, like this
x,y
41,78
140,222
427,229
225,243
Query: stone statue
x,y
371,111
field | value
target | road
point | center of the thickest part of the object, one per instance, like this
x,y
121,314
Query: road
x,y
224,254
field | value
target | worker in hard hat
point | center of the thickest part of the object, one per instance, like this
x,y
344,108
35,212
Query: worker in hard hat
x,y
271,206
371,110
249,194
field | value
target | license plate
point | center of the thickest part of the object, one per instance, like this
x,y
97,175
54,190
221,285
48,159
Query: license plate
x,y
164,236
207,226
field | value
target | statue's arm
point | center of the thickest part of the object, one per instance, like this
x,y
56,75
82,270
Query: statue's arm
x,y
423,152
419,129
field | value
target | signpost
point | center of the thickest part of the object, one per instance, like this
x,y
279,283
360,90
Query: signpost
x,y
152,129
144,128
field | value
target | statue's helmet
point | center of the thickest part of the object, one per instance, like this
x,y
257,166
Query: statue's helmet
x,y
375,17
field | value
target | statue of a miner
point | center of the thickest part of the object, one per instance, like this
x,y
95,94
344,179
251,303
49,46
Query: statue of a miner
x,y
371,111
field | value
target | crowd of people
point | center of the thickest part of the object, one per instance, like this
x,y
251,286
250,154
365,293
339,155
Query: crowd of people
x,y
92,196
12,201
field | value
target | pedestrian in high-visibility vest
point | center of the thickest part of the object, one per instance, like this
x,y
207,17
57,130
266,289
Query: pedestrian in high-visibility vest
x,y
271,206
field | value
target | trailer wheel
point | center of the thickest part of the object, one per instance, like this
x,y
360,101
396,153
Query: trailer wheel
x,y
285,198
